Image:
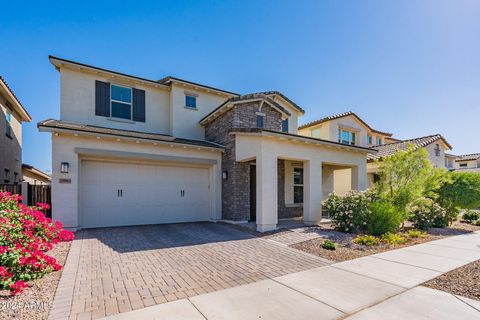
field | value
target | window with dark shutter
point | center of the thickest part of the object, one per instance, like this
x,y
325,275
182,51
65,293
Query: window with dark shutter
x,y
138,105
102,99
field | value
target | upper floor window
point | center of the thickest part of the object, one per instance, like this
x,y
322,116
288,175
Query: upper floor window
x,y
7,173
8,128
346,137
260,122
285,125
121,102
369,139
316,133
190,101
437,150
379,140
463,165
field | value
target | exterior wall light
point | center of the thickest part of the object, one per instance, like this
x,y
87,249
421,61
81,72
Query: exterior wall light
x,y
225,175
64,167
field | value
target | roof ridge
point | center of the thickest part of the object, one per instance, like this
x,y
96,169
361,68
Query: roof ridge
x,y
407,140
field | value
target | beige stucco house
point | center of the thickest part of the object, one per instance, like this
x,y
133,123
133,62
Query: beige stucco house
x,y
35,176
464,163
12,115
436,146
128,150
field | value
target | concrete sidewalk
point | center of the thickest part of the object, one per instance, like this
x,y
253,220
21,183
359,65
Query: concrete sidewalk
x,y
381,286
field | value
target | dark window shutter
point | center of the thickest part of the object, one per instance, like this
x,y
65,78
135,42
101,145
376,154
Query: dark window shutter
x,y
102,99
138,105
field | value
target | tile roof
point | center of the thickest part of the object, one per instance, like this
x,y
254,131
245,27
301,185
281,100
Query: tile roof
x,y
28,117
251,96
468,157
300,137
169,79
58,124
341,115
278,93
386,150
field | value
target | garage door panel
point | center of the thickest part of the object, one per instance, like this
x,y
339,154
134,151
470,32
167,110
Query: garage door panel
x,y
150,194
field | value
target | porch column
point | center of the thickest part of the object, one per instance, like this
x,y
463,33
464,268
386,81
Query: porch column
x,y
312,191
267,211
359,177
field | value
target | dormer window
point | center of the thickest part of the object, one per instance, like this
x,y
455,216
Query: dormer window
x,y
346,137
379,140
369,139
190,101
121,102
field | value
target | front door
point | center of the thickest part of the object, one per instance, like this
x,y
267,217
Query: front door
x,y
253,193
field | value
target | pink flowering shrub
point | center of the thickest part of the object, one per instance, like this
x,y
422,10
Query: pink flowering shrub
x,y
25,237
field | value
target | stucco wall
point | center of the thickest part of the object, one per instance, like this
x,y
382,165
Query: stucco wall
x,y
437,161
329,131
185,121
66,197
10,148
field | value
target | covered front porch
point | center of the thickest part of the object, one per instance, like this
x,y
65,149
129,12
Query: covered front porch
x,y
290,171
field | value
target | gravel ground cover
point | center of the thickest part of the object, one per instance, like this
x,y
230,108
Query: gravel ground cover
x,y
464,281
37,300
347,250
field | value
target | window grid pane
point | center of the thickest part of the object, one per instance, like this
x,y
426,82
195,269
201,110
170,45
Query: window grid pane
x,y
259,121
121,94
191,102
121,110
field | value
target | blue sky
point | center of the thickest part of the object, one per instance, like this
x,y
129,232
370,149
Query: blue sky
x,y
407,67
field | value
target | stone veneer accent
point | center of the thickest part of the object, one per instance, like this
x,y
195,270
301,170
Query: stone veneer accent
x,y
236,189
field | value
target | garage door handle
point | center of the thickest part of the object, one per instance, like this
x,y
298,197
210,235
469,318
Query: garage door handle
x,y
182,193
121,193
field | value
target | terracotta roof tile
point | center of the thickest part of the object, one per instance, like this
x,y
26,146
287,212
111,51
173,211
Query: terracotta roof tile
x,y
386,150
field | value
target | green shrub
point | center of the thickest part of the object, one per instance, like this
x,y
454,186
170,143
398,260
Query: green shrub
x,y
328,245
416,234
383,217
393,238
477,223
424,213
471,215
366,240
348,212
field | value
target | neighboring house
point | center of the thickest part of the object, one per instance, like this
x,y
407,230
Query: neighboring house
x,y
12,114
466,162
436,145
346,128
35,176
128,150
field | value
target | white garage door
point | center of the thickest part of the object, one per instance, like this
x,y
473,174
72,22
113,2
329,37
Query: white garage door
x,y
120,194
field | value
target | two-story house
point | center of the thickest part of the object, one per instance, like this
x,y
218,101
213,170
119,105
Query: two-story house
x,y
12,114
128,150
349,128
465,162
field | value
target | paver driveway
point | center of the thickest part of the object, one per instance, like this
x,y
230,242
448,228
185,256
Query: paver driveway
x,y
114,270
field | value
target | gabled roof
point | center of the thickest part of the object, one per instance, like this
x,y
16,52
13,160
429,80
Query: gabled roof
x,y
468,157
39,172
169,79
284,97
227,105
386,150
58,125
16,104
341,115
58,62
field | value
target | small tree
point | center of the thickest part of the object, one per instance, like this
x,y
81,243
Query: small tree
x,y
404,177
460,191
